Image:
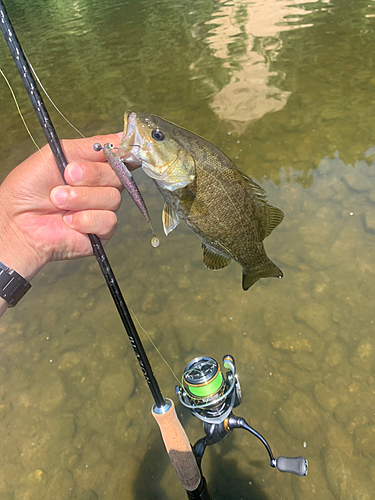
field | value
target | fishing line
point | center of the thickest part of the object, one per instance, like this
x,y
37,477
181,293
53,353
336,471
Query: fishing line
x,y
50,100
20,113
154,346
23,119
180,382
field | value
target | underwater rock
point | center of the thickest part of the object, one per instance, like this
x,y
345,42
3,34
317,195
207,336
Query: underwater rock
x,y
62,426
372,196
91,455
364,356
325,397
299,416
34,450
113,347
93,281
357,181
315,232
298,339
369,221
364,438
345,476
74,336
306,362
61,486
49,393
69,360
5,409
153,302
288,258
340,439
107,445
116,387
127,433
37,477
91,479
335,354
315,316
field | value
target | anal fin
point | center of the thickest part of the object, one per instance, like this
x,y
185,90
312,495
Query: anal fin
x,y
213,260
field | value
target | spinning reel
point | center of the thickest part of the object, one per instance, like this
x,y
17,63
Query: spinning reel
x,y
211,397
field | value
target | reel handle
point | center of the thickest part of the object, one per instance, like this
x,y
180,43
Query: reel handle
x,y
294,465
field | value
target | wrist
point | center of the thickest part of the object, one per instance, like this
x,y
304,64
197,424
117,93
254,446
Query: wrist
x,y
15,252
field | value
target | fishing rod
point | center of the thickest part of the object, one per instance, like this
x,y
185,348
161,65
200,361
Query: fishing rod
x,y
174,436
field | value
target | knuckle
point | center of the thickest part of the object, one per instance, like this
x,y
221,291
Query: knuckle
x,y
72,194
115,198
112,220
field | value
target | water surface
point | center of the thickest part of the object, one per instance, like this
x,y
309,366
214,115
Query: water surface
x,y
287,90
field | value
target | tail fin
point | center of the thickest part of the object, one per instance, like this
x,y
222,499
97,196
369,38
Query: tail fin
x,y
269,271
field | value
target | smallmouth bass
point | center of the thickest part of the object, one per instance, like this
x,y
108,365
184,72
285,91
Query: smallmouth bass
x,y
226,209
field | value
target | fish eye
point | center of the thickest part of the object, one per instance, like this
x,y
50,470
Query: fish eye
x,y
158,134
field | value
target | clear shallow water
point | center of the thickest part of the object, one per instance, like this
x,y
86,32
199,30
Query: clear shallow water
x,y
287,90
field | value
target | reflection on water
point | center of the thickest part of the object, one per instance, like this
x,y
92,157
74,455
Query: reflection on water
x,y
246,38
74,408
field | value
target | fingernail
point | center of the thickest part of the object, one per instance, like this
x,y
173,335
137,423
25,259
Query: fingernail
x,y
68,219
76,172
60,197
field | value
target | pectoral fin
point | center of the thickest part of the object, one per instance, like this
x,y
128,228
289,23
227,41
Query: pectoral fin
x,y
213,260
169,218
270,271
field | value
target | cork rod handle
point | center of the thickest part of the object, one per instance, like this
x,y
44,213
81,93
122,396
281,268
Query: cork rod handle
x,y
178,448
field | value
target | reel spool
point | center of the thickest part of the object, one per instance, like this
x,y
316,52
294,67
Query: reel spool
x,y
207,393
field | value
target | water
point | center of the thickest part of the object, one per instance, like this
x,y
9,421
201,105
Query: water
x,y
287,90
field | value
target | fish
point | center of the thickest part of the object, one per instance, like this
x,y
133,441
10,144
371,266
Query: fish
x,y
201,186
127,180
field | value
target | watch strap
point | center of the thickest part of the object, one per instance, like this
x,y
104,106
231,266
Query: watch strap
x,y
12,285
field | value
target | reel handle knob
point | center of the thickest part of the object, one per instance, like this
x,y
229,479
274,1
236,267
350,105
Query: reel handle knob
x,y
294,465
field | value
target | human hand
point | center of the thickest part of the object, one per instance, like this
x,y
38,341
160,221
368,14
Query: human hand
x,y
38,225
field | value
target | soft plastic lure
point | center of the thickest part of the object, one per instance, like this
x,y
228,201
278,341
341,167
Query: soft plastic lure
x,y
129,184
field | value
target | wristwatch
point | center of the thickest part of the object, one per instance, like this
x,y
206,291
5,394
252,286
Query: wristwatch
x,y
12,286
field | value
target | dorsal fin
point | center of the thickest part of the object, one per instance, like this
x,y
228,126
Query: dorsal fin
x,y
213,260
273,216
257,190
169,218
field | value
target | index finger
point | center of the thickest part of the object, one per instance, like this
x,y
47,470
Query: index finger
x,y
91,173
82,149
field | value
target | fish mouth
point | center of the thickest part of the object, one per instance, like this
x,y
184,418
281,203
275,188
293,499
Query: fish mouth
x,y
131,141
